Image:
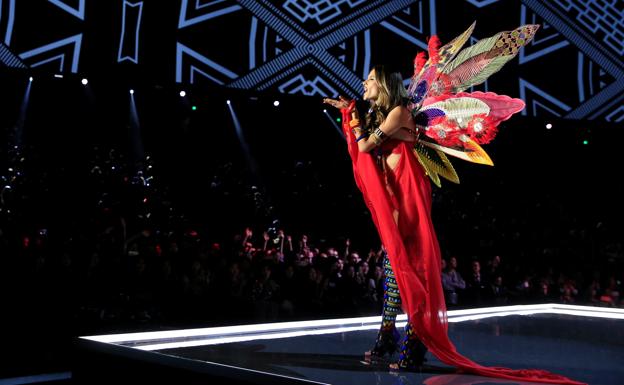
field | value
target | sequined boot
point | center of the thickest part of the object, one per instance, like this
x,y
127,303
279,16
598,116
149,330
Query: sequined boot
x,y
412,354
387,342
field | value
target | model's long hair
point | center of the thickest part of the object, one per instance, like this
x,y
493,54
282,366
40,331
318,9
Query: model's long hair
x,y
392,93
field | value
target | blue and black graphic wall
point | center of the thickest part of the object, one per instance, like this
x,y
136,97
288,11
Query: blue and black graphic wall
x,y
573,69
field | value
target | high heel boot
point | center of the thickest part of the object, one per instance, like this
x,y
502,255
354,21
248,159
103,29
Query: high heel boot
x,y
387,342
413,352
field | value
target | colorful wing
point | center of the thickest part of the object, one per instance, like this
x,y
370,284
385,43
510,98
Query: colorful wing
x,y
471,152
473,65
440,56
459,123
455,123
435,163
427,71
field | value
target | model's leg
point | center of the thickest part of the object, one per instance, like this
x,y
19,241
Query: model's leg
x,y
388,337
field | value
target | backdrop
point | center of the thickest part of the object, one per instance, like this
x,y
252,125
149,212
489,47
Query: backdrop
x,y
573,68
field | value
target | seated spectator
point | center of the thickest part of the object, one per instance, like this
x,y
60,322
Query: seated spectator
x,y
452,282
568,292
544,292
477,286
499,292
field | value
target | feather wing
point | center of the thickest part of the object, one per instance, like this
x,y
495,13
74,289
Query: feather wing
x,y
460,120
473,65
447,52
459,109
431,67
471,152
435,163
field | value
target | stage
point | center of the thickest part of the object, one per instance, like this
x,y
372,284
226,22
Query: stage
x,y
584,343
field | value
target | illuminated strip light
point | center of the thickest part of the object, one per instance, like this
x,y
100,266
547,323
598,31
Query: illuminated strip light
x,y
587,311
580,313
496,309
589,308
265,336
115,338
219,335
226,340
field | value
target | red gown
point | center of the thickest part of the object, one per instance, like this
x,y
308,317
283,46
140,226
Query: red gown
x,y
414,252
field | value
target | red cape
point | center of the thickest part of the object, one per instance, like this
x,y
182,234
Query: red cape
x,y
414,252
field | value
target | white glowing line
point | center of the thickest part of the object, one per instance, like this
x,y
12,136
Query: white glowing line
x,y
547,311
142,336
588,313
589,308
484,310
229,334
473,317
267,336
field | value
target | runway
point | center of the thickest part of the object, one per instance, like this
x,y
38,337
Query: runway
x,y
584,343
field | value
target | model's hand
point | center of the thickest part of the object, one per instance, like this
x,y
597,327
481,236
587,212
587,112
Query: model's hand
x,y
340,103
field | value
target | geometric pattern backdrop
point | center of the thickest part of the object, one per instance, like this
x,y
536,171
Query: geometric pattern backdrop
x,y
573,68
595,29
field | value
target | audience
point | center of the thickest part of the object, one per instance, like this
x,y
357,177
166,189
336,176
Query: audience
x,y
127,255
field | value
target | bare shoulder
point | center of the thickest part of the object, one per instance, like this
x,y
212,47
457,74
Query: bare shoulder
x,y
405,116
400,113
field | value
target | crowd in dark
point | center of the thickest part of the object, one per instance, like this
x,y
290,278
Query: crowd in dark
x,y
103,241
122,252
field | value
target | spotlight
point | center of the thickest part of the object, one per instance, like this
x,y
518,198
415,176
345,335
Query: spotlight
x,y
194,108
324,110
548,126
228,101
84,82
183,93
131,92
276,103
30,79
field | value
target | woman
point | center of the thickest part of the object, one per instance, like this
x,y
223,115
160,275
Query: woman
x,y
397,191
391,132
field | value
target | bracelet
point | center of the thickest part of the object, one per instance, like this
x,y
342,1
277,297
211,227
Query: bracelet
x,y
364,135
379,137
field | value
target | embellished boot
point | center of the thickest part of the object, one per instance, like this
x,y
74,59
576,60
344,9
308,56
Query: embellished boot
x,y
412,354
387,342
